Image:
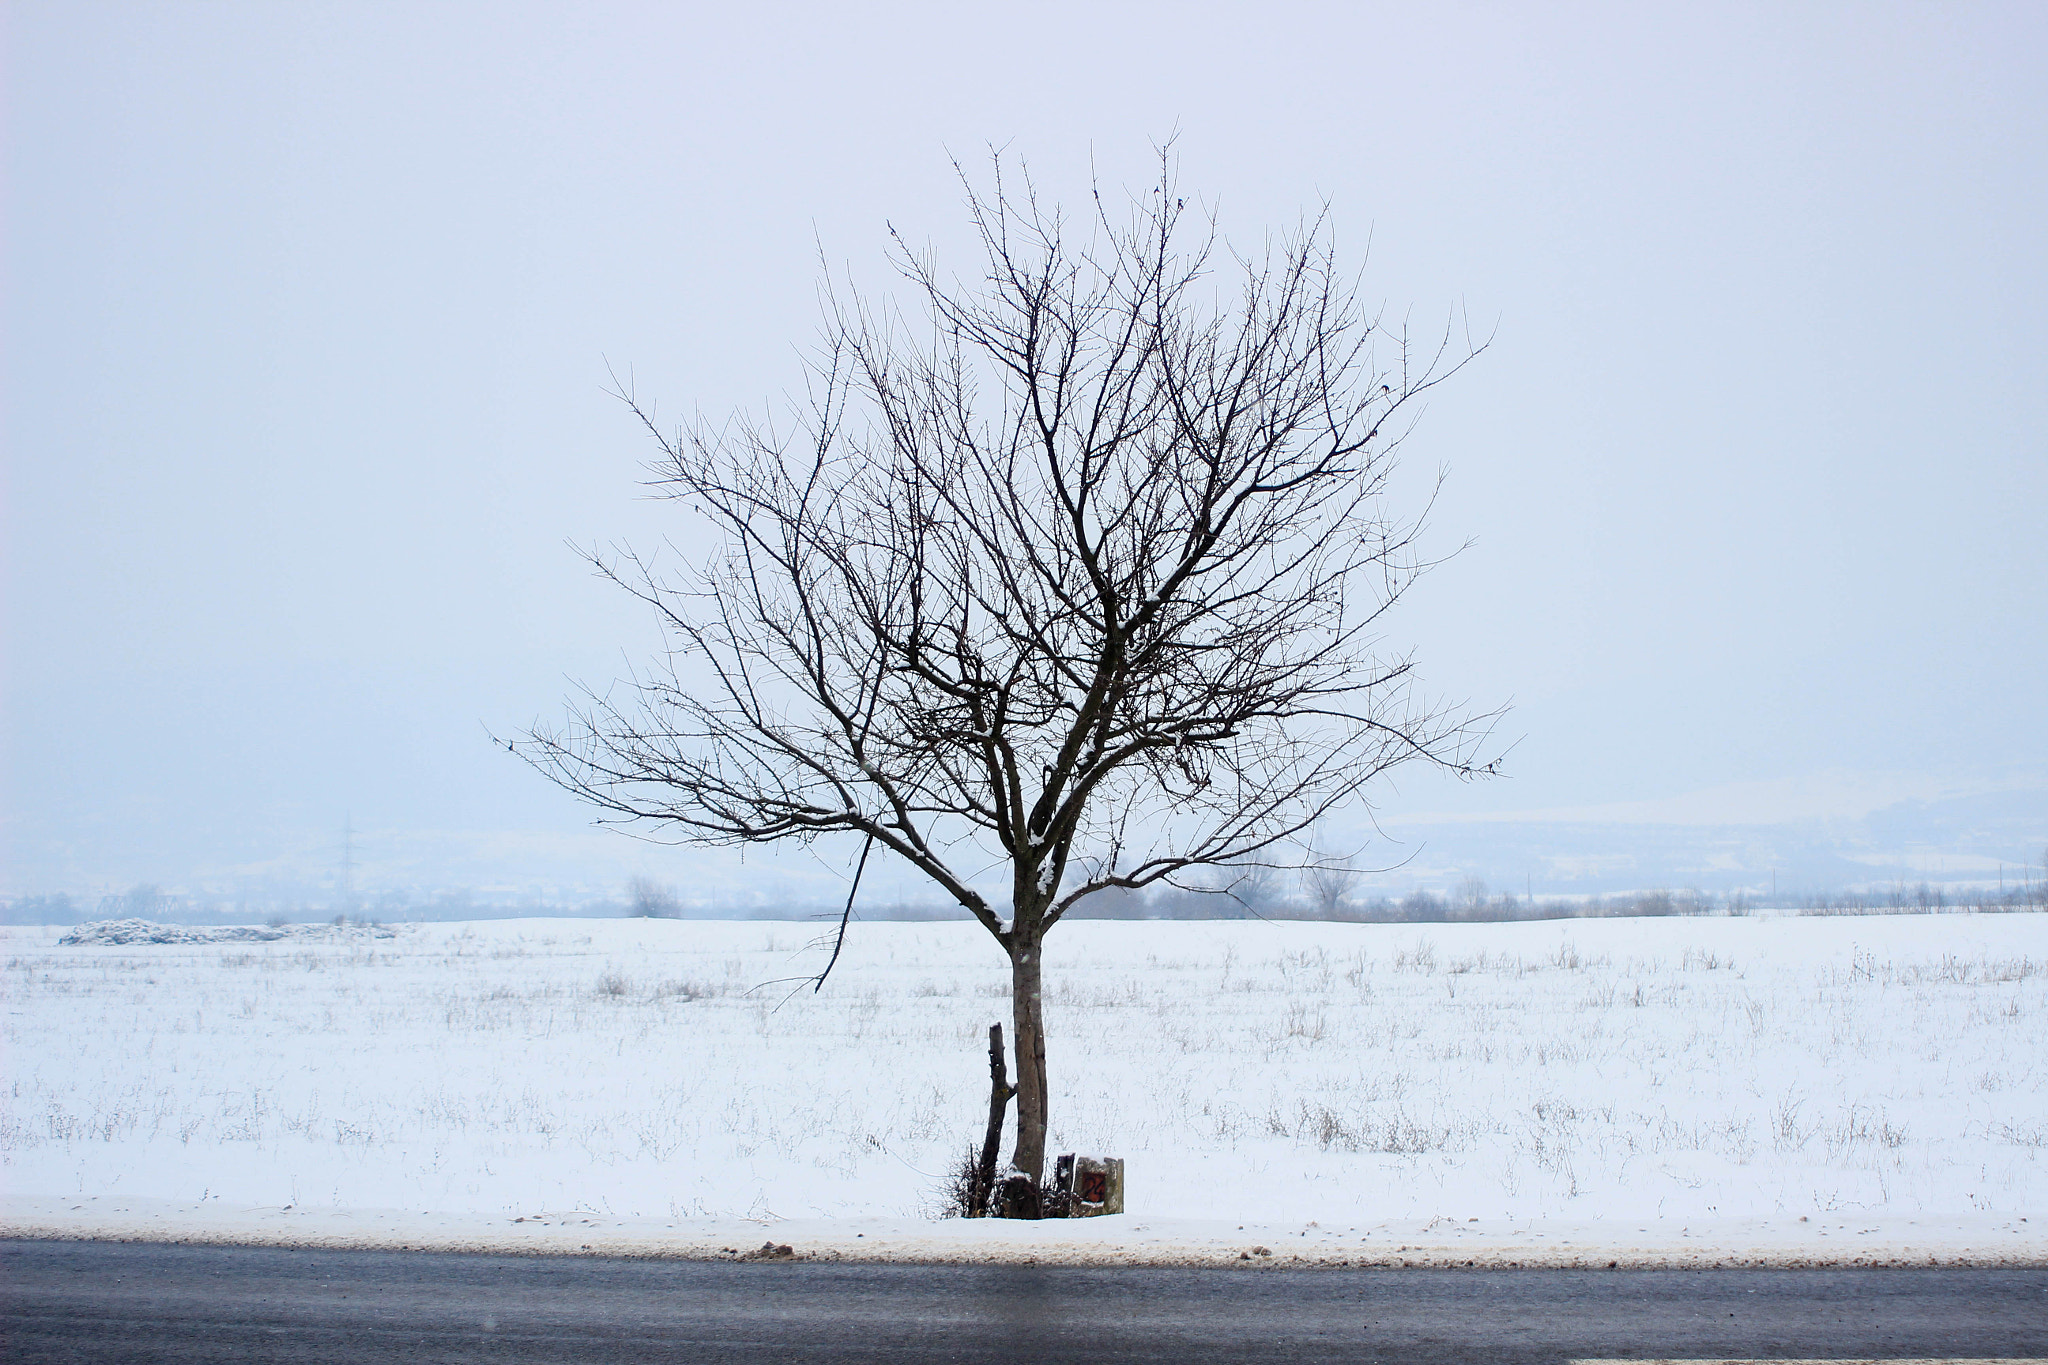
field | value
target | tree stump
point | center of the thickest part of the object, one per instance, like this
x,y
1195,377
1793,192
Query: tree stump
x,y
1019,1197
1000,1093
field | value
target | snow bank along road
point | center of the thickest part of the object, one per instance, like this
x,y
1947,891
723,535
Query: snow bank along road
x,y
110,1303
1647,1092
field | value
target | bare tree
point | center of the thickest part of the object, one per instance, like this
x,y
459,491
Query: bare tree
x,y
652,900
1327,878
1075,570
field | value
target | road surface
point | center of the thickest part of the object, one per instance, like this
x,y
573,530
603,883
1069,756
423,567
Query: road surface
x,y
109,1302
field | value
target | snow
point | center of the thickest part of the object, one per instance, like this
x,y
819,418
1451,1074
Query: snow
x,y
130,931
1652,1090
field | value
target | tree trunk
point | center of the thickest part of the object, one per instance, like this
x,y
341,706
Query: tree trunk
x,y
1000,1093
1027,1010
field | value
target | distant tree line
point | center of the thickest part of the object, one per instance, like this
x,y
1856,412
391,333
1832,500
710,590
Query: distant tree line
x,y
149,902
1473,904
1317,894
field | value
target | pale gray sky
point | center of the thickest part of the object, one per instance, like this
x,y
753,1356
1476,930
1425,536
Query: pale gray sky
x,y
308,309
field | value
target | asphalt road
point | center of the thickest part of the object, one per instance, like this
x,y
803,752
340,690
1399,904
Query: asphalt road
x,y
87,1301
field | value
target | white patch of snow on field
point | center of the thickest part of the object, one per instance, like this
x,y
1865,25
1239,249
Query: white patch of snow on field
x,y
1638,1080
122,932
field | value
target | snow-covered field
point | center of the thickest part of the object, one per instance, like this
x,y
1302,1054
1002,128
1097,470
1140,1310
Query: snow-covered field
x,y
1654,1079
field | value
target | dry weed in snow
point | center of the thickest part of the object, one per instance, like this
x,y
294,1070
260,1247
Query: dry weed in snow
x,y
1617,1069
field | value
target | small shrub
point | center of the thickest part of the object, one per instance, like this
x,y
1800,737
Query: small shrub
x,y
956,1191
1306,1022
1420,958
1322,1125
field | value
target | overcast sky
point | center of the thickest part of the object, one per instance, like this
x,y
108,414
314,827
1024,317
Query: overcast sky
x,y
309,307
